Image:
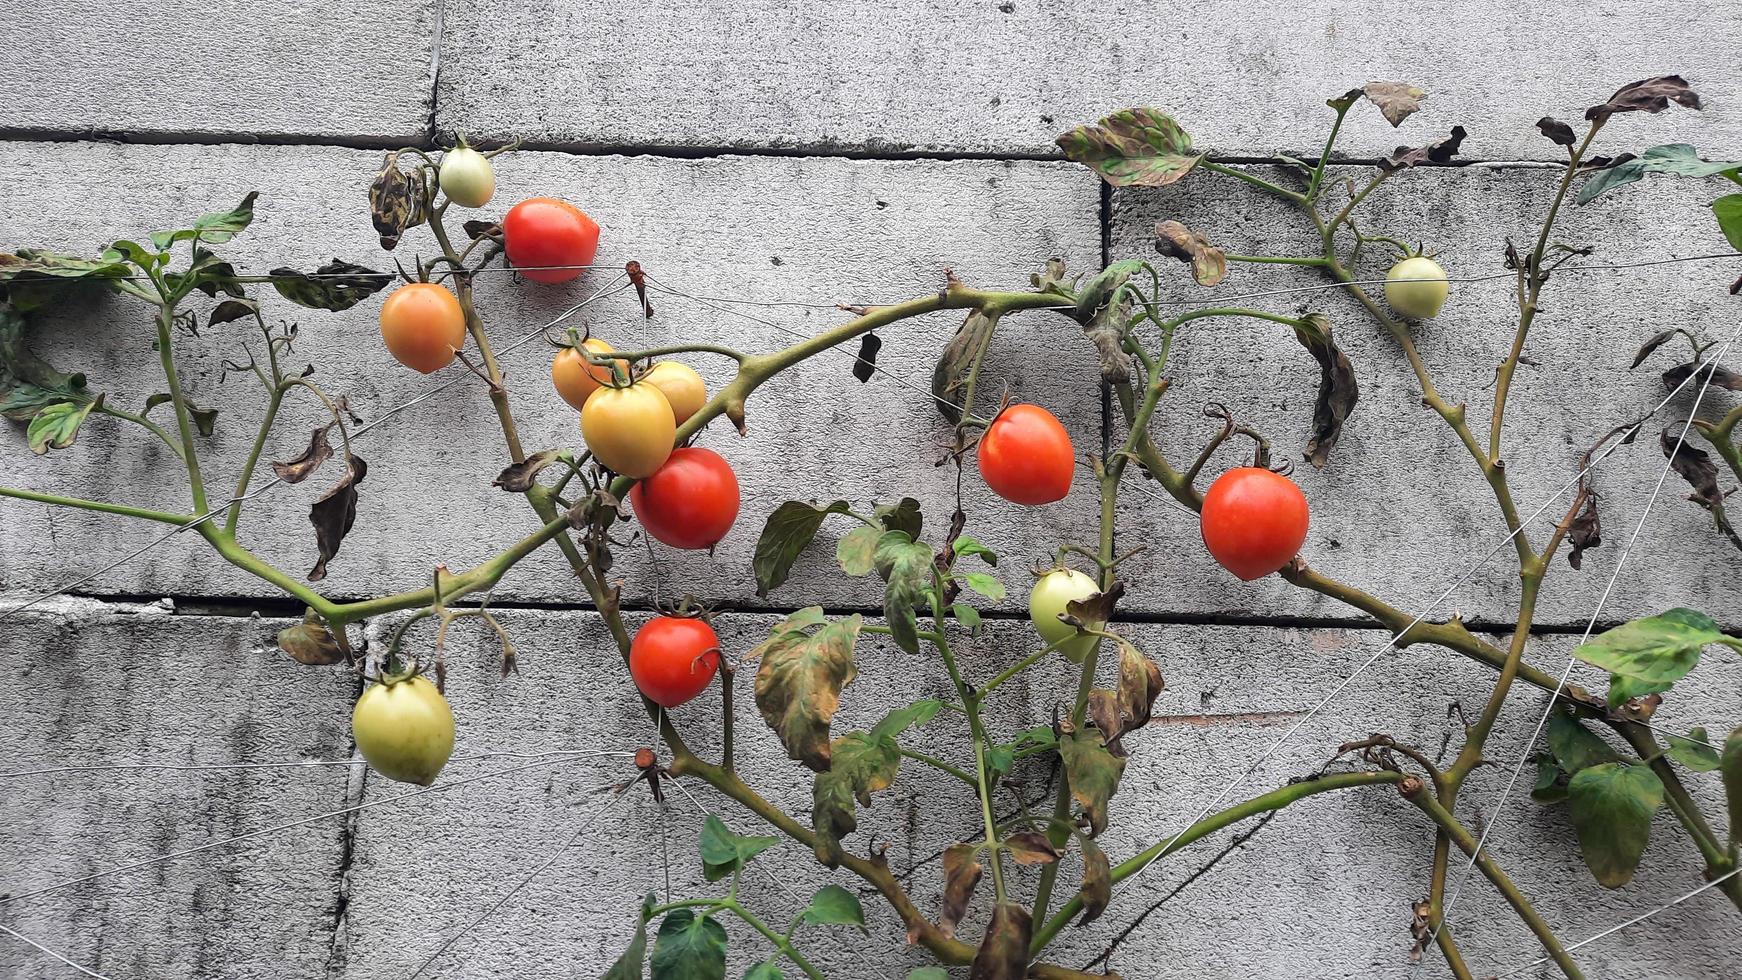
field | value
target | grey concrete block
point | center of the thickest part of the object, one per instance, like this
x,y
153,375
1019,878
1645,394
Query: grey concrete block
x,y
93,686
1401,510
766,230
202,71
989,77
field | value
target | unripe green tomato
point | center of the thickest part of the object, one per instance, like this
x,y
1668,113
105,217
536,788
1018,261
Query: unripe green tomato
x,y
1422,297
467,177
1047,602
405,729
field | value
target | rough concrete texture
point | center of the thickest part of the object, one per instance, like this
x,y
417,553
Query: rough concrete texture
x,y
759,229
1327,883
1000,77
197,71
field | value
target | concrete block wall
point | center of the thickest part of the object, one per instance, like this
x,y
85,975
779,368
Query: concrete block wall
x,y
819,153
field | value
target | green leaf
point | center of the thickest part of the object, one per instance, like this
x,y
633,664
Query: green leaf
x,y
785,534
628,966
33,279
857,550
833,905
1674,159
966,547
1140,146
968,616
1093,773
1729,211
765,970
903,516
724,852
1697,753
911,716
57,425
860,765
929,973
1611,807
906,567
215,228
798,685
335,286
1730,764
689,947
986,585
1551,782
1651,654
1574,746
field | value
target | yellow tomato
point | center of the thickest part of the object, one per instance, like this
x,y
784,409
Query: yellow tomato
x,y
575,378
630,430
405,729
681,386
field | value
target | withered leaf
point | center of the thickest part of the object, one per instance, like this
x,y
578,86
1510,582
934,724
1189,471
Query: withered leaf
x,y
1586,532
232,309
302,467
1143,147
1093,774
334,513
1695,466
799,681
1097,608
860,765
1097,888
1720,376
338,285
1397,101
1647,95
1102,310
1440,151
1029,847
1052,274
1650,347
961,874
519,477
310,643
1338,390
1556,131
1140,684
395,201
1103,711
1209,263
865,364
949,377
477,228
1003,953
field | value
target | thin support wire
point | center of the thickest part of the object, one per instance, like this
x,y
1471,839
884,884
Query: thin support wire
x,y
1630,922
21,937
301,764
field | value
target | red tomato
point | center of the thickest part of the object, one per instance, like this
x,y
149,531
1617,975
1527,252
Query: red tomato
x,y
691,501
1026,456
1253,521
545,231
673,659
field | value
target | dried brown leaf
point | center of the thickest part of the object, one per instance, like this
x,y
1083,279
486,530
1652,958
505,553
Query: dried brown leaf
x,y
1557,131
1003,953
334,513
1097,887
961,875
1440,151
302,467
1209,263
1647,95
1338,390
1028,847
1397,101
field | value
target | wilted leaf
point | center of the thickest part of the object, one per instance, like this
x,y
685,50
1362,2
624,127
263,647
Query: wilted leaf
x,y
1610,807
300,468
1096,609
1650,346
1050,276
520,477
1140,684
961,874
1696,752
56,426
1029,847
1338,390
395,201
1093,774
724,852
857,550
1696,467
1673,159
1397,101
628,966
949,377
1142,146
833,905
799,681
1003,953
785,534
860,765
1209,263
1102,310
310,643
1648,655
1440,151
1574,746
337,285
333,515
689,947
901,516
1711,372
1097,887
213,229
232,309
865,364
1556,131
1648,95
906,567
33,279
479,228
1586,532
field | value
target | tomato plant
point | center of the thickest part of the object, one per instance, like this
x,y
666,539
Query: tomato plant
x,y
404,727
1025,456
1253,521
423,326
629,430
542,232
673,659
690,501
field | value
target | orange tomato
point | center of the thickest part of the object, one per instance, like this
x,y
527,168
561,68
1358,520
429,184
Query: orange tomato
x,y
575,379
423,325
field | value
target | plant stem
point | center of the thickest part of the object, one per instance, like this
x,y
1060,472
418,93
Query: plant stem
x,y
976,732
940,764
162,517
158,430
272,405
1021,665
1318,177
1253,179
184,425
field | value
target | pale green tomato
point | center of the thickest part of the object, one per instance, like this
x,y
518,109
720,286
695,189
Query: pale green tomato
x,y
467,177
1047,602
1421,298
405,729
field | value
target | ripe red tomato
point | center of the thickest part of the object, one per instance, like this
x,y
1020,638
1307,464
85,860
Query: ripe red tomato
x,y
545,231
1026,457
691,501
1253,521
673,659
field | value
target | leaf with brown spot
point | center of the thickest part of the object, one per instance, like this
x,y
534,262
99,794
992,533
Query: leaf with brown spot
x,y
520,477
860,764
1397,101
334,513
1097,888
1338,390
949,377
1003,953
961,875
1140,684
1586,532
1440,151
1721,377
1133,147
337,285
1096,609
1093,773
1028,847
395,201
310,643
302,467
1647,95
1209,263
1103,309
798,685
1557,131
